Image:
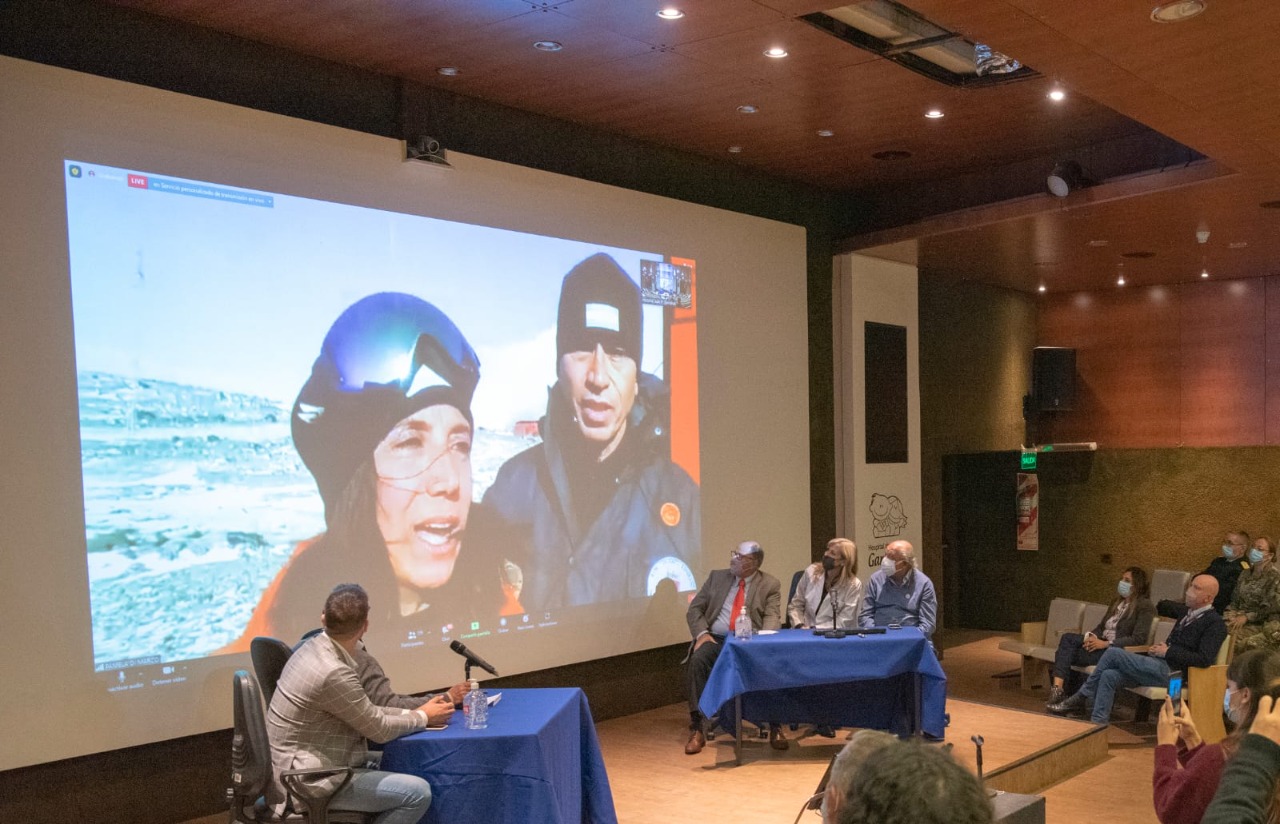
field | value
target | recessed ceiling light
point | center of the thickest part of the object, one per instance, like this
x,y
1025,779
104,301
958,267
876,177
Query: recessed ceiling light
x,y
734,150
1120,281
934,114
548,46
1237,244
1042,289
1057,95
448,71
1204,273
775,52
747,108
1099,242
1177,11
825,133
670,13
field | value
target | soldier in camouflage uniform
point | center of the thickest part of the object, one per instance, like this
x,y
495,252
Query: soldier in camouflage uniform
x,y
1254,614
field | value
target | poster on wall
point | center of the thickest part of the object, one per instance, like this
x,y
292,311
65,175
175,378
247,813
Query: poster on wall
x,y
1028,511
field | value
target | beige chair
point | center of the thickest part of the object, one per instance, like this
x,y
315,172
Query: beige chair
x,y
1168,585
1038,640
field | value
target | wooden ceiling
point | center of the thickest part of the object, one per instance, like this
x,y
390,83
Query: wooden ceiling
x,y
1208,83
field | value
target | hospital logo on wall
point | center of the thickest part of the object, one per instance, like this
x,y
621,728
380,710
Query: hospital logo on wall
x,y
887,518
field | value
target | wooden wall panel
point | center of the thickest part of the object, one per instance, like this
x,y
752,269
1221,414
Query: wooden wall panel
x,y
1127,353
1196,364
1272,396
1223,330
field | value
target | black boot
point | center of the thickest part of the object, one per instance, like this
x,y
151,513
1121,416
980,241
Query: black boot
x,y
1074,705
1055,696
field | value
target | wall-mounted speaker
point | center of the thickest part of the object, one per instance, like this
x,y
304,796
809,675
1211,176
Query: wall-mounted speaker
x,y
1053,378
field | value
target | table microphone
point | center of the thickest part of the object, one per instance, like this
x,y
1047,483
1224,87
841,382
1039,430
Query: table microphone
x,y
476,660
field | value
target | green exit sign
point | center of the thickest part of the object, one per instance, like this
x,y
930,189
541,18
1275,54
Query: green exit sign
x,y
1028,460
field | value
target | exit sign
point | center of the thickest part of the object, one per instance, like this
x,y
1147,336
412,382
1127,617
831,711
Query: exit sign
x,y
1028,460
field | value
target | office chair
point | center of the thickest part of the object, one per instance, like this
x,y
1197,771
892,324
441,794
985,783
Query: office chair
x,y
251,770
269,655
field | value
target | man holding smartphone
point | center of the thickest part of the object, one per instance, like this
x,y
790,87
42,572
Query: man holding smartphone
x,y
1194,642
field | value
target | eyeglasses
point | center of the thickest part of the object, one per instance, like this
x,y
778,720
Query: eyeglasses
x,y
734,556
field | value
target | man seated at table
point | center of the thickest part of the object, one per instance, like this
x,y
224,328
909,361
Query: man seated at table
x,y
713,614
320,717
376,684
899,594
1194,642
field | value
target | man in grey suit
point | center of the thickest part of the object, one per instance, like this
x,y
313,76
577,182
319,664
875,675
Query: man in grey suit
x,y
712,615
320,717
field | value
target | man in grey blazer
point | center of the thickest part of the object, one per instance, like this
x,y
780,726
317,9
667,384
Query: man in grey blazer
x,y
712,615
320,717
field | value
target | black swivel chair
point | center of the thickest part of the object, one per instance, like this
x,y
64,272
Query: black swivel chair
x,y
269,655
251,771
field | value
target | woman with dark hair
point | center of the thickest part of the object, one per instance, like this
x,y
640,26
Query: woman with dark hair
x,y
384,425
1187,770
1254,613
1126,624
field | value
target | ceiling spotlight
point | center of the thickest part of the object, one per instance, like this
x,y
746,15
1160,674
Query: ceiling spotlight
x,y
1041,289
670,13
447,71
775,52
1237,244
1177,11
1204,273
1099,242
934,114
1057,95
548,46
825,133
1120,281
734,150
747,108
986,61
1066,178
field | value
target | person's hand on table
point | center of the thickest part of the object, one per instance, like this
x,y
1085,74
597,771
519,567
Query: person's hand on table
x,y
458,691
1267,722
439,709
703,640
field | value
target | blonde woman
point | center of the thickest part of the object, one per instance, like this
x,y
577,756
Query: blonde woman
x,y
828,592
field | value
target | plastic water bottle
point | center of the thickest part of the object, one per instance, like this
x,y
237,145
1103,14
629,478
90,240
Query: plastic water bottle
x,y
742,627
476,707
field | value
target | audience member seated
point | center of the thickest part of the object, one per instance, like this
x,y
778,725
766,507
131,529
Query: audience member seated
x,y
1254,614
827,593
862,745
1225,569
320,717
713,614
910,782
1247,792
1126,624
1186,769
899,594
1194,642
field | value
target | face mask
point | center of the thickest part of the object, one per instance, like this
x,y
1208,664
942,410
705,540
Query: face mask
x,y
828,563
888,566
1124,588
1228,551
1233,713
1256,555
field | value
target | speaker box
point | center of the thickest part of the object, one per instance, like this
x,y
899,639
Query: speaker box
x,y
1053,378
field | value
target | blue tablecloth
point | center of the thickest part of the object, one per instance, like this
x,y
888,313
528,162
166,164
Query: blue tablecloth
x,y
797,677
538,761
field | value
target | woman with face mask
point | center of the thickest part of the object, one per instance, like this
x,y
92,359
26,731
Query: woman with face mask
x,y
1126,624
1254,614
1187,770
827,593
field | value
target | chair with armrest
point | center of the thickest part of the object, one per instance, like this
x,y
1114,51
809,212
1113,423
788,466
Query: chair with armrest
x,y
1168,585
1039,639
1208,682
251,770
786,606
269,655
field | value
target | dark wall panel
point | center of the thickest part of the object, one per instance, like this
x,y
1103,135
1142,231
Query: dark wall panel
x,y
1222,370
1272,395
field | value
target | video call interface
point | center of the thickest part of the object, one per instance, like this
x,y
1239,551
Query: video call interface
x,y
494,432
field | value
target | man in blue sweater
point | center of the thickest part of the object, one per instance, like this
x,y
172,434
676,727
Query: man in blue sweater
x,y
1194,642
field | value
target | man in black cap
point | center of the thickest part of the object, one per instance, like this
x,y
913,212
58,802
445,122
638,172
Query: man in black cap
x,y
598,511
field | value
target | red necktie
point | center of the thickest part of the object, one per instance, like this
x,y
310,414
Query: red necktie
x,y
737,604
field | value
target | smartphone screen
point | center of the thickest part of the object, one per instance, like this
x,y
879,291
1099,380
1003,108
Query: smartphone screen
x,y
1175,691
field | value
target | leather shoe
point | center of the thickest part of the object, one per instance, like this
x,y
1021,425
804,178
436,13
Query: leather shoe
x,y
776,739
695,743
1073,705
1056,696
